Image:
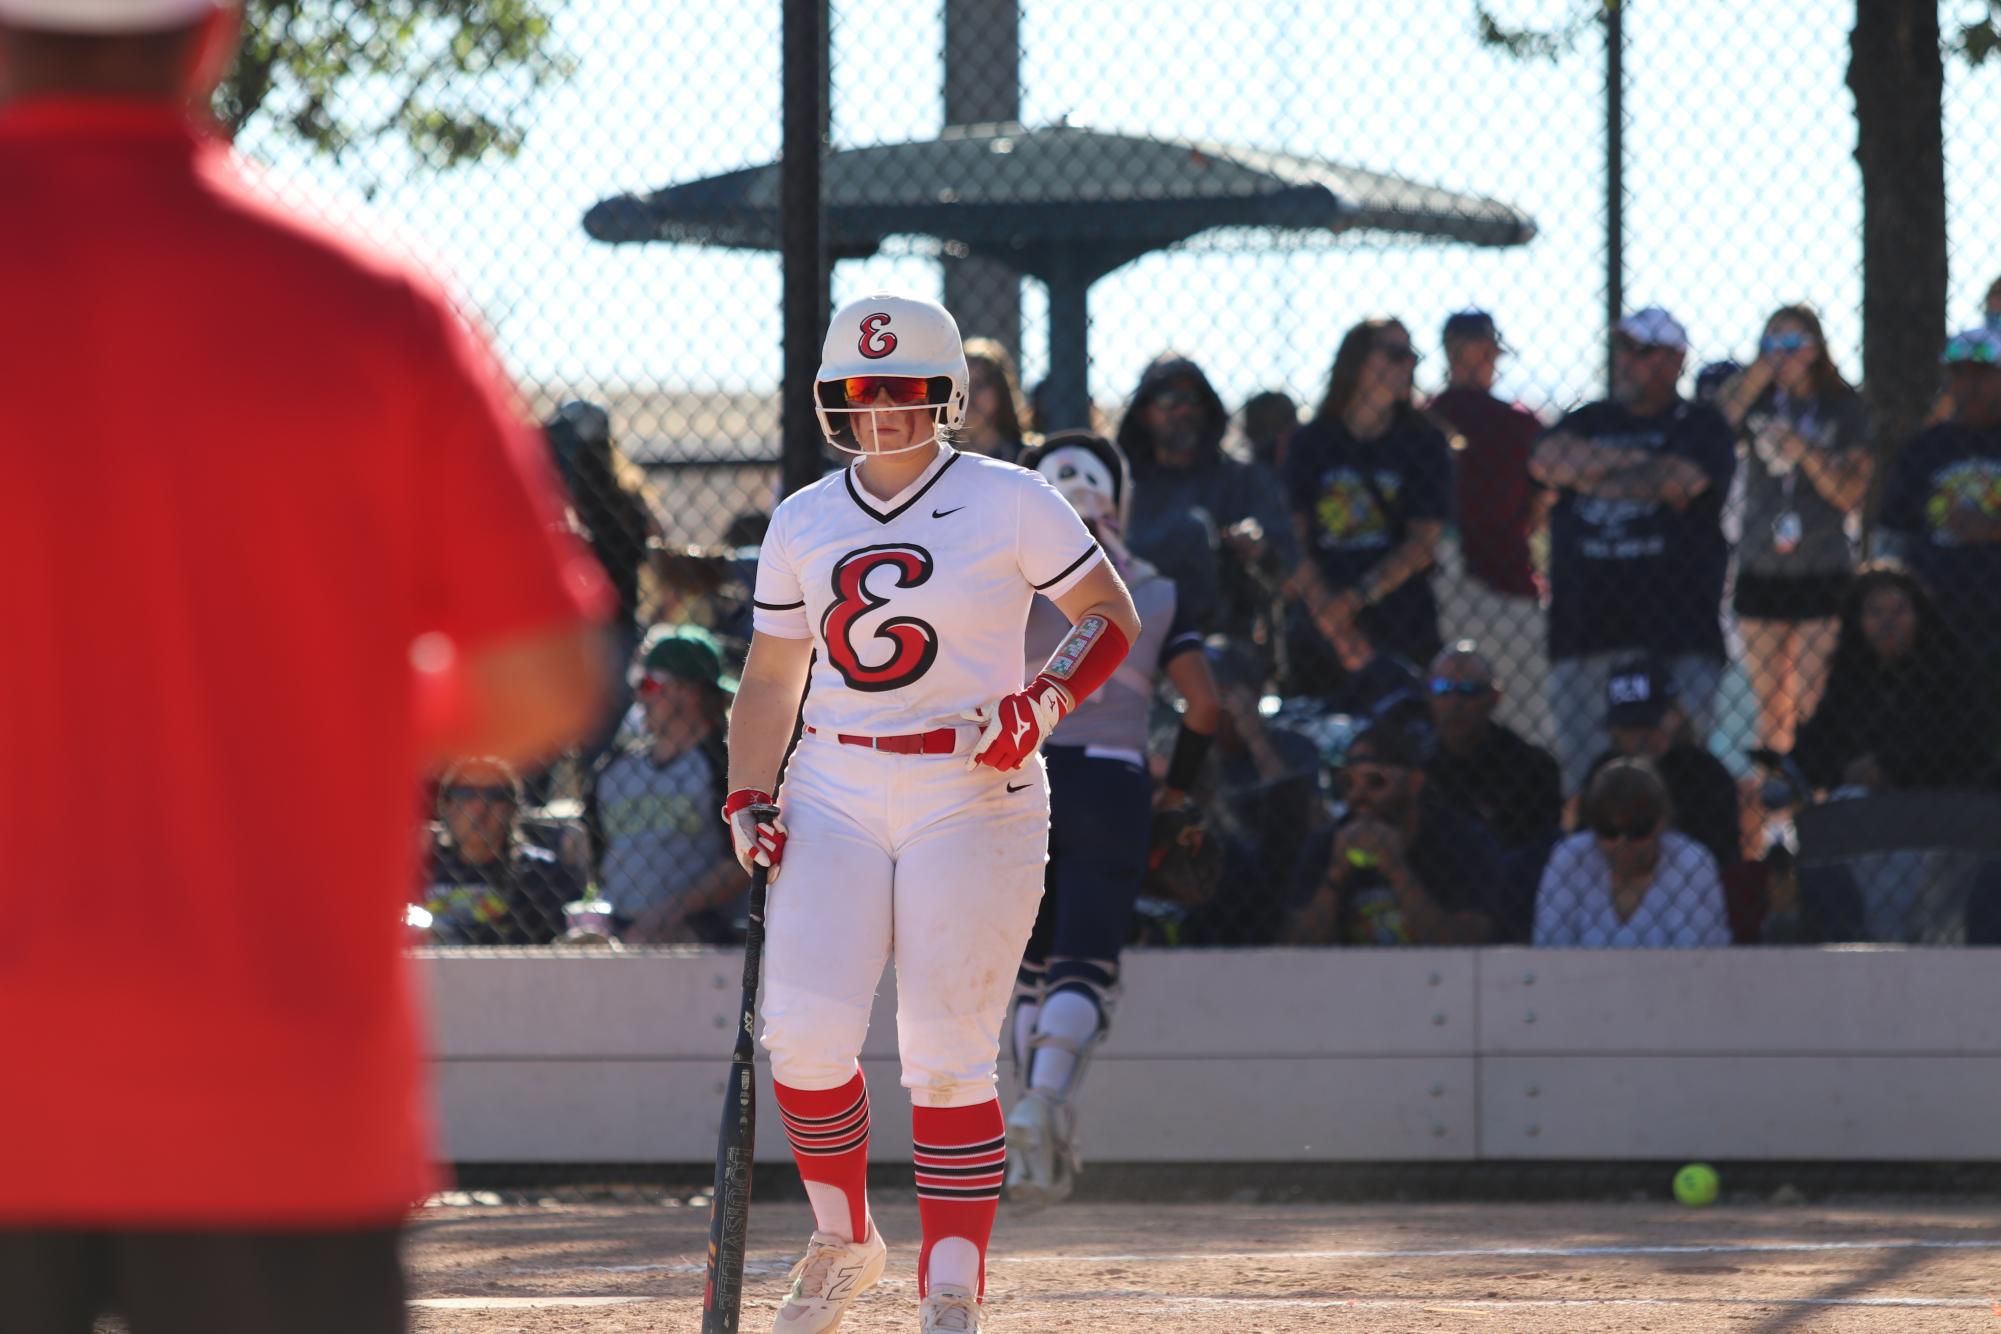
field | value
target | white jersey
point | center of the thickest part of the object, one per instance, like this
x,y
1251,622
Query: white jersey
x,y
916,605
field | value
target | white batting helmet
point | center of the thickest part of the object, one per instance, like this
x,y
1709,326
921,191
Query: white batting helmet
x,y
1090,471
106,16
889,334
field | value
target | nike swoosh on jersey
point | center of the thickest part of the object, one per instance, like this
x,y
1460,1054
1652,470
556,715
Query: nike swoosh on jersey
x,y
1016,787
939,514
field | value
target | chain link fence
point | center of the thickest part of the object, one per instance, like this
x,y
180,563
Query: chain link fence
x,y
1492,372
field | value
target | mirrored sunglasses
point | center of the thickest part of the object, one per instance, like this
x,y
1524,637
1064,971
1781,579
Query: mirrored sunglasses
x,y
1785,342
904,391
1441,686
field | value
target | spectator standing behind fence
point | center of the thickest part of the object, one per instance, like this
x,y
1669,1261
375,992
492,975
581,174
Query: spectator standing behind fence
x,y
1195,508
1941,511
1481,766
1403,867
996,410
1803,439
1644,720
338,557
1268,420
663,860
1904,706
1629,881
1369,482
1488,591
487,884
1637,555
608,500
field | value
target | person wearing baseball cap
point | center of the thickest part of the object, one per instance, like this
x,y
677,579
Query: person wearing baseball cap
x,y
1490,591
1637,552
669,872
1942,508
1645,720
339,560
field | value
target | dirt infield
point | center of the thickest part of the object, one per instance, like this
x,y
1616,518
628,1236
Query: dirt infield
x,y
1260,1268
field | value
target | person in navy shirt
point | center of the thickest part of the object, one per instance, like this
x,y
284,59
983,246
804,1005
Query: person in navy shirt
x,y
1369,482
1942,509
1637,553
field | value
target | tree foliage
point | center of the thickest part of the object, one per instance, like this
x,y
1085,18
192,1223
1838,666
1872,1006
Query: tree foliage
x,y
447,78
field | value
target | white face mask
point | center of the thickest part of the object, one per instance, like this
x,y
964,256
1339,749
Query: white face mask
x,y
862,451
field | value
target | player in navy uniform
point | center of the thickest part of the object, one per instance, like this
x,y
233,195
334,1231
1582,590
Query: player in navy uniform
x,y
1101,802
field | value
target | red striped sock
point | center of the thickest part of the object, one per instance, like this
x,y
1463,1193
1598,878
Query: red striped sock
x,y
961,1158
828,1129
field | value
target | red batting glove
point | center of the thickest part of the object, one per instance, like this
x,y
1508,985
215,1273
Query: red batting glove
x,y
758,842
1014,725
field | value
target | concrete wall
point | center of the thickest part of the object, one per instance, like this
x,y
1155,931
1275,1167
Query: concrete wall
x,y
1312,1055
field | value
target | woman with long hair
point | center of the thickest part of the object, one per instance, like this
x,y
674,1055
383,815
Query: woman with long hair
x,y
1369,481
1801,430
996,409
1904,705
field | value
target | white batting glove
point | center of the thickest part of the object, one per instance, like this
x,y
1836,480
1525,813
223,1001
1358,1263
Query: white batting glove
x,y
758,842
1014,725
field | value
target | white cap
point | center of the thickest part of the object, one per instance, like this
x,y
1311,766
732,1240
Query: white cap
x,y
105,16
1655,328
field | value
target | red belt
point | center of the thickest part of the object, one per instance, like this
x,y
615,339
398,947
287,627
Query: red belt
x,y
942,741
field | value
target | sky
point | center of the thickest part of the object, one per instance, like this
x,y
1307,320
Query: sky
x,y
1742,191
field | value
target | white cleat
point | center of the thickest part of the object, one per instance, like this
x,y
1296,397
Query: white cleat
x,y
830,1275
950,1310
1040,1165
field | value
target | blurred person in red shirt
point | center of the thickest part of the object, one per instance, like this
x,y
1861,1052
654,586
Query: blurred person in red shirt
x,y
1490,592
279,539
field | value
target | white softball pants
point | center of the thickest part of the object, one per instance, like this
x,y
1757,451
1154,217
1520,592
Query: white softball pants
x,y
910,856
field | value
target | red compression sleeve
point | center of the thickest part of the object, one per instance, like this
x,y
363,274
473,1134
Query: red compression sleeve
x,y
1087,657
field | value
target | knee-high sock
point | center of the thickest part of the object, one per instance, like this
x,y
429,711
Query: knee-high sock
x,y
828,1129
961,1159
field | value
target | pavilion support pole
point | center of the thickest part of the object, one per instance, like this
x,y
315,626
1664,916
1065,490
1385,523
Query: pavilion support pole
x,y
1067,394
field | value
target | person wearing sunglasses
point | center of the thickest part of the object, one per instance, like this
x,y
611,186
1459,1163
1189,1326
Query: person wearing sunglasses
x,y
914,819
1401,866
1637,552
1481,765
1369,483
657,854
1941,510
1209,522
1802,433
488,884
1628,880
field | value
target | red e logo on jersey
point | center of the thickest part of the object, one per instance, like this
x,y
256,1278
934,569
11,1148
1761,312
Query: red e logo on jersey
x,y
913,643
877,343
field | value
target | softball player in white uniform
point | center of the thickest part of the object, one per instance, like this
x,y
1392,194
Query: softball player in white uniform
x,y
914,813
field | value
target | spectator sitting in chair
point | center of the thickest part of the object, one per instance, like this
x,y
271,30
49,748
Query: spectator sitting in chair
x,y
1403,867
487,885
1481,766
1629,881
1644,716
1904,705
663,859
